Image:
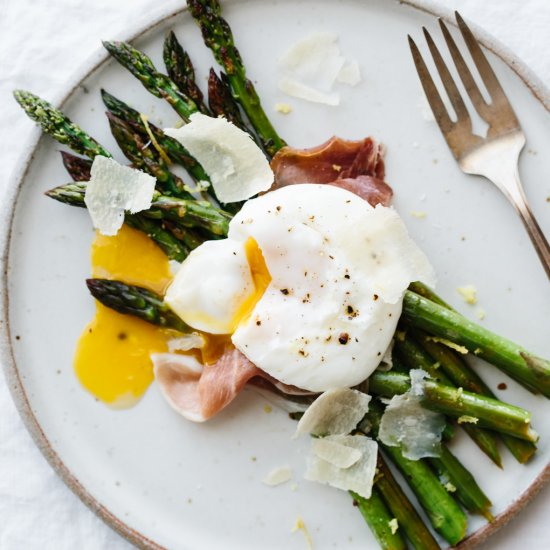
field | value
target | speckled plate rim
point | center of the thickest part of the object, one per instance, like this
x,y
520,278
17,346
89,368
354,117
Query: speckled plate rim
x,y
7,212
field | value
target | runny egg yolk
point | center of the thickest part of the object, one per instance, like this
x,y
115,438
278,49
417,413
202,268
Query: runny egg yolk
x,y
112,358
260,277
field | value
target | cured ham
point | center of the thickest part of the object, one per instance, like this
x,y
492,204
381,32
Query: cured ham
x,y
198,392
357,166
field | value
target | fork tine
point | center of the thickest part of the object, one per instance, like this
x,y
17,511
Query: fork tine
x,y
486,72
434,99
448,82
464,72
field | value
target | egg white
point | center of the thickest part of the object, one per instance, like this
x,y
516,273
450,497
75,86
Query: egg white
x,y
338,270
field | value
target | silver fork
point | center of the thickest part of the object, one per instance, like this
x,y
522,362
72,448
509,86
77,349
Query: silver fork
x,y
496,156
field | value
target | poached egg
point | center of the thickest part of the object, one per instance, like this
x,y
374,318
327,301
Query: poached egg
x,y
308,284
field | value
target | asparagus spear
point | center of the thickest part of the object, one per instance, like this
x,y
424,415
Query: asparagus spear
x,y
77,167
402,509
180,69
465,377
425,291
529,370
378,518
187,213
145,158
222,102
415,357
157,83
137,301
173,148
468,492
218,37
490,413
174,247
59,126
445,515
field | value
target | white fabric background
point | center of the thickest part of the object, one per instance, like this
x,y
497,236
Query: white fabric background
x,y
42,44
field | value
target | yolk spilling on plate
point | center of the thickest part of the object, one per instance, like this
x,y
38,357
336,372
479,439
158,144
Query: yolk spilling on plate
x,y
260,277
112,358
113,354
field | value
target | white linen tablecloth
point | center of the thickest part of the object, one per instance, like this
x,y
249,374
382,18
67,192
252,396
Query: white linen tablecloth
x,y
41,45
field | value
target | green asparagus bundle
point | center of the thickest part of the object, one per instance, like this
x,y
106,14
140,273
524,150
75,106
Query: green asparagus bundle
x,y
188,213
415,357
172,149
178,224
441,322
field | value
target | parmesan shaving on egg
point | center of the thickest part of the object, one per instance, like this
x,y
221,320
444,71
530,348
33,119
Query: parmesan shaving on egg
x,y
237,167
114,189
334,412
278,476
408,425
390,259
313,65
359,477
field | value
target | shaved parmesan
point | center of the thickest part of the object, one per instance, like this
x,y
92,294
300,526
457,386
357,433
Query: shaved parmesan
x,y
469,419
279,475
237,167
408,425
301,526
298,89
313,65
449,344
334,412
359,477
468,293
393,525
187,342
349,74
331,450
114,189
283,108
315,59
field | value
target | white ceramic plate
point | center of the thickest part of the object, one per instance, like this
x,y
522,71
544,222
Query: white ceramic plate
x,y
163,481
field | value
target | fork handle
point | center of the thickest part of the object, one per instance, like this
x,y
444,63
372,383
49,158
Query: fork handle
x,y
517,197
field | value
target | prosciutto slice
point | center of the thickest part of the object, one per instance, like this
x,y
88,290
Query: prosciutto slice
x,y
199,392
357,166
